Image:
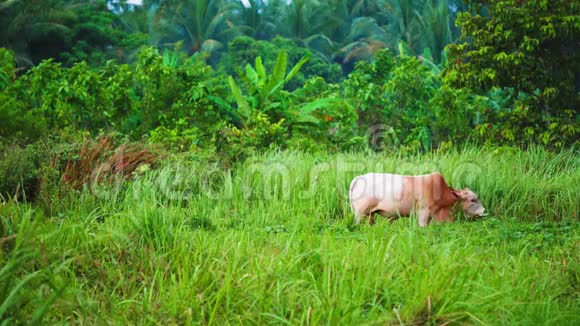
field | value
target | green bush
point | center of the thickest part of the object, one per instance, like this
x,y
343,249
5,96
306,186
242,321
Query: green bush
x,y
16,120
405,97
176,97
522,126
132,99
19,173
6,68
259,134
336,126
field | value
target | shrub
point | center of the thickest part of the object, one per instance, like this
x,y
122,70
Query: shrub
x,y
522,126
17,121
335,127
404,99
6,68
18,173
177,100
235,144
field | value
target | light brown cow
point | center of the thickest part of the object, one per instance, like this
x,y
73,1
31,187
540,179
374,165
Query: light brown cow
x,y
393,195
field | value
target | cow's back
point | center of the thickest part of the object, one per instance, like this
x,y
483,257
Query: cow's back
x,y
376,185
376,191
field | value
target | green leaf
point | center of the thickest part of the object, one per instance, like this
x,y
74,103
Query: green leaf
x,y
260,69
280,67
401,48
252,75
278,74
319,104
227,108
444,58
274,89
297,67
427,54
243,106
307,118
272,106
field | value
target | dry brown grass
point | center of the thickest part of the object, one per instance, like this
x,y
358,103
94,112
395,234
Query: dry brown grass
x,y
103,160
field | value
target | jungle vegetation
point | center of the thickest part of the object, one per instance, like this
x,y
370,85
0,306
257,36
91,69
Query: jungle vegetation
x,y
187,162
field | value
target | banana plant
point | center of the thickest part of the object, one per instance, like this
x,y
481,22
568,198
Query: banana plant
x,y
265,94
264,90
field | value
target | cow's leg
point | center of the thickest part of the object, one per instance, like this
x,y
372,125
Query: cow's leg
x,y
444,215
358,210
360,215
357,218
423,216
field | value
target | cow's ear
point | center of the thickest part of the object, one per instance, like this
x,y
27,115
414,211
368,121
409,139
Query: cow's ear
x,y
459,193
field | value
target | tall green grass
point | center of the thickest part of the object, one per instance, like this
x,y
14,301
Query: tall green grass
x,y
272,241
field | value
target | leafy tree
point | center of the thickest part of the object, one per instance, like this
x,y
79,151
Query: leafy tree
x,y
303,19
530,46
24,22
403,24
6,68
340,30
404,98
265,91
268,115
94,35
421,24
529,50
16,121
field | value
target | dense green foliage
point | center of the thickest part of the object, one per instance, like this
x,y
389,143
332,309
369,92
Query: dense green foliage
x,y
518,57
530,49
273,242
244,50
69,31
408,102
188,161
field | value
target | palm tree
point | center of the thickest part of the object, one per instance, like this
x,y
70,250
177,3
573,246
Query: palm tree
x,y
200,24
436,21
334,28
23,22
403,24
256,19
302,19
67,30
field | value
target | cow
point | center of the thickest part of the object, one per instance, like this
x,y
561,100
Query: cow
x,y
392,196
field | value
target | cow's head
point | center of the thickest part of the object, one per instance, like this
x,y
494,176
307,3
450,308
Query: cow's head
x,y
470,205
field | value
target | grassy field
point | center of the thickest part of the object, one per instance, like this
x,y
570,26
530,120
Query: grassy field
x,y
272,241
